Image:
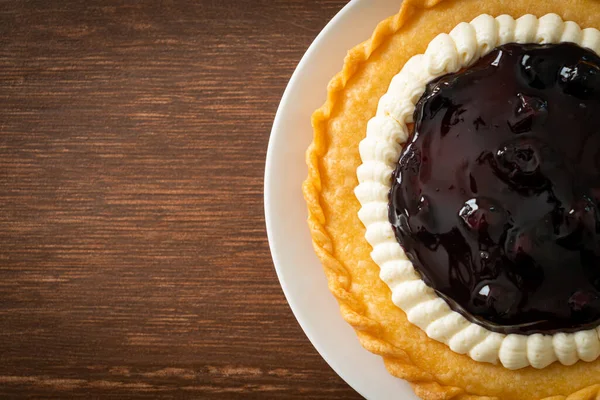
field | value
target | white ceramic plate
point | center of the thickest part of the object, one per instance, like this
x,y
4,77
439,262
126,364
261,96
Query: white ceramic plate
x,y
299,271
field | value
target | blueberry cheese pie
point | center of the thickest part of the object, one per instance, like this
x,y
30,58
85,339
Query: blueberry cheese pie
x,y
454,197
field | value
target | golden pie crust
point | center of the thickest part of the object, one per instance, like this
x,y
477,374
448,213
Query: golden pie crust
x,y
435,372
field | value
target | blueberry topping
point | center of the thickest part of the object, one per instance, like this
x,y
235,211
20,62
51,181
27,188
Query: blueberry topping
x,y
496,198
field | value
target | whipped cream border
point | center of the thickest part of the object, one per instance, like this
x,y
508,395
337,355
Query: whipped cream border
x,y
387,132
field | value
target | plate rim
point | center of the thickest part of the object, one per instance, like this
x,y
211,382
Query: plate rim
x,y
269,181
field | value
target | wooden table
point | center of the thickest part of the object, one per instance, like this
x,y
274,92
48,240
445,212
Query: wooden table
x,y
134,261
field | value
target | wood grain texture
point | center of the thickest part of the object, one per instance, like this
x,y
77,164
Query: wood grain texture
x,y
134,260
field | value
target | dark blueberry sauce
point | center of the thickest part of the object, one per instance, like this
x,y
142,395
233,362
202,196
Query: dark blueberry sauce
x,y
496,198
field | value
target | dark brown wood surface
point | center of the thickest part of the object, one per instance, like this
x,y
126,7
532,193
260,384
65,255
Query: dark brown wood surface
x,y
133,255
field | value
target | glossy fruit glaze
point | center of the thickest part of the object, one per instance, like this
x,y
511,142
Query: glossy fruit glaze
x,y
496,197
